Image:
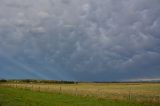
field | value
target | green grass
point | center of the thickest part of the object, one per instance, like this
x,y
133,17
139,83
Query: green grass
x,y
19,97
135,92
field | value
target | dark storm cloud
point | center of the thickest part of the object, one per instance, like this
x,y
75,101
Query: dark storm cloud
x,y
65,39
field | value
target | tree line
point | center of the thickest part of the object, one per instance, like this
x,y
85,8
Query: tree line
x,y
38,81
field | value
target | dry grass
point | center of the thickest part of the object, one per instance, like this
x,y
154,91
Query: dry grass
x,y
139,92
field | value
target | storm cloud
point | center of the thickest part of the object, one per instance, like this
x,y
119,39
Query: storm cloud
x,y
93,40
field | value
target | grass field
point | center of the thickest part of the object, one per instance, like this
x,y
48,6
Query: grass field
x,y
110,94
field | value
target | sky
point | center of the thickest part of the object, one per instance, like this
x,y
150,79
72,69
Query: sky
x,y
85,40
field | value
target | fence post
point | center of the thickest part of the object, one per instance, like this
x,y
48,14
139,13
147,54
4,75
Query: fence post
x,y
48,89
159,99
129,96
76,92
98,92
25,87
60,89
39,89
32,87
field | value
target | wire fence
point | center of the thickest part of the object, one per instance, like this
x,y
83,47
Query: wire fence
x,y
128,95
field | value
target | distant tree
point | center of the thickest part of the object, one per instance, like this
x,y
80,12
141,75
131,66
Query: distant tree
x,y
3,80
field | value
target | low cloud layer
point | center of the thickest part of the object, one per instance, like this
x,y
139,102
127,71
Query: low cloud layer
x,y
80,39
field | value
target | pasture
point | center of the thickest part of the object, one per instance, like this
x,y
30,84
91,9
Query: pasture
x,y
126,94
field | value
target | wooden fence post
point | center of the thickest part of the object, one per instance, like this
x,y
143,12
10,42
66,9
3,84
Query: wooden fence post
x,y
32,87
48,89
60,89
76,92
129,96
39,89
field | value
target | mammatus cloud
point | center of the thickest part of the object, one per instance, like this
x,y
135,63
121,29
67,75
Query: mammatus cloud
x,y
80,39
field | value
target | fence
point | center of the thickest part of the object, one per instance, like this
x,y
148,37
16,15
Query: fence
x,y
128,95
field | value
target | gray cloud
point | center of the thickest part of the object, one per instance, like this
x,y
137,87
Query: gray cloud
x,y
65,39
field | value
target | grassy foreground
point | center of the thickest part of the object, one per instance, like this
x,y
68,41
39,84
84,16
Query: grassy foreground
x,y
20,97
132,92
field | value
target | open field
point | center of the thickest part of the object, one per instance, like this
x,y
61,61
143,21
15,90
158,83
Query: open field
x,y
141,93
19,97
